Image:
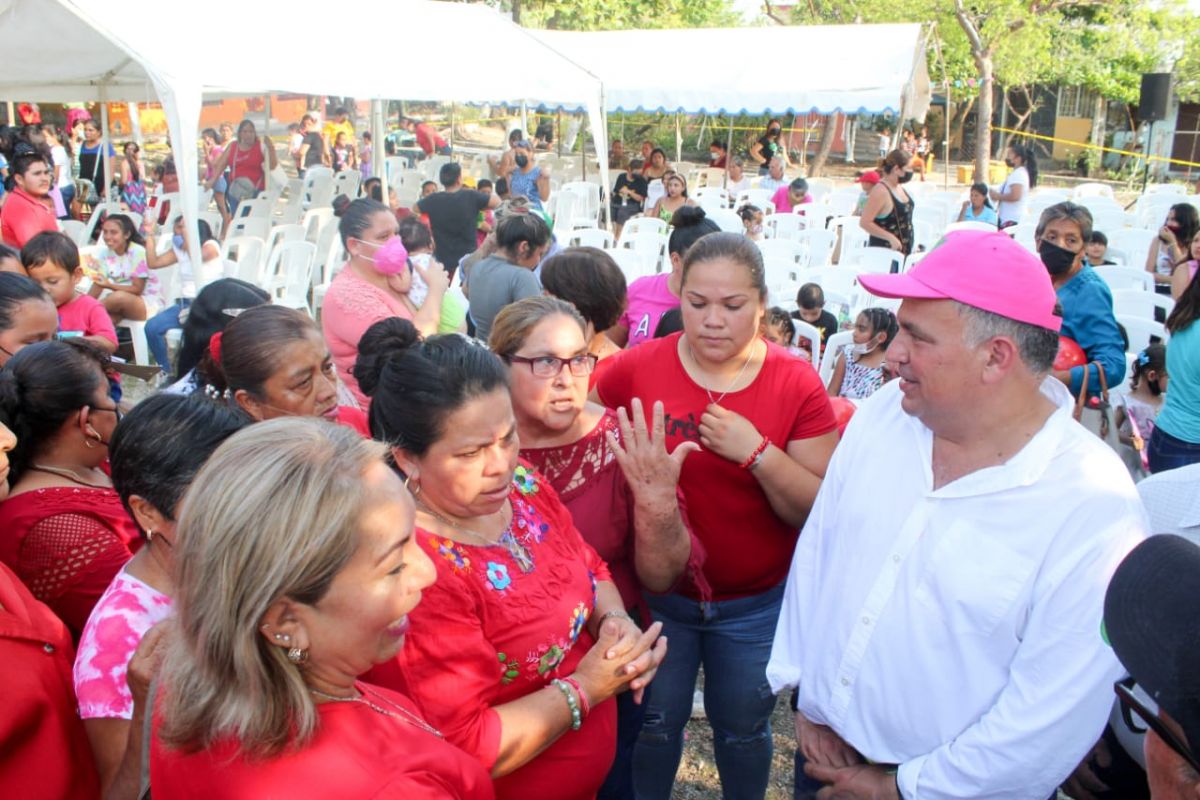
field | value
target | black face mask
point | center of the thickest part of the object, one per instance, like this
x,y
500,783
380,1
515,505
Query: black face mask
x,y
773,132
905,177
522,161
1058,260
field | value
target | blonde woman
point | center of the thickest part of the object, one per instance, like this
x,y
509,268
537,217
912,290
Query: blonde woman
x,y
297,572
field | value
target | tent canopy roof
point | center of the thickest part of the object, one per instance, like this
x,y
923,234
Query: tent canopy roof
x,y
849,68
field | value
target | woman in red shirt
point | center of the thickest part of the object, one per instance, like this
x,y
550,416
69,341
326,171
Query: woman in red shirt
x,y
63,530
524,639
45,748
618,481
271,361
766,433
244,157
296,573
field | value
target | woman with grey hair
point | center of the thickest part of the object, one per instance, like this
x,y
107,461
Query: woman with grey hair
x,y
290,586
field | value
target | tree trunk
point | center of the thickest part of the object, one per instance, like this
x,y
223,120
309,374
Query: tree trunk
x,y
957,123
1099,118
516,11
828,133
983,116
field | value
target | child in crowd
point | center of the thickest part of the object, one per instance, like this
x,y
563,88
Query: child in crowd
x,y
343,154
52,259
866,182
418,241
811,302
365,154
779,329
295,139
978,209
1095,251
1137,411
860,368
486,221
752,219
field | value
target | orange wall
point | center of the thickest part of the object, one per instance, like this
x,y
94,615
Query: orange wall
x,y
286,108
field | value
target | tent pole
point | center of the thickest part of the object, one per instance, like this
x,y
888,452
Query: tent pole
x,y
560,132
135,124
12,114
105,145
728,153
583,151
678,138
451,126
524,119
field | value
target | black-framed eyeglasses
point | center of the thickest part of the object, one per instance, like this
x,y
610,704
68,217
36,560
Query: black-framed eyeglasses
x,y
552,366
1131,705
115,410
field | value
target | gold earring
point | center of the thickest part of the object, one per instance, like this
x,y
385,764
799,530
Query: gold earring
x,y
297,656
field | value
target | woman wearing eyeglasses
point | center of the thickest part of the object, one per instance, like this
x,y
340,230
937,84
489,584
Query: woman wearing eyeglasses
x,y
518,647
63,529
618,482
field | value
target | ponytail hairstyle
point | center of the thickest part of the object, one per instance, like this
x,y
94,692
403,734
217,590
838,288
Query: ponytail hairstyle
x,y
517,229
882,321
982,188
689,224
355,215
1028,158
214,307
41,387
246,354
897,159
415,384
1153,358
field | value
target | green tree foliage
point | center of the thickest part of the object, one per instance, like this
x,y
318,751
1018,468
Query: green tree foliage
x,y
595,15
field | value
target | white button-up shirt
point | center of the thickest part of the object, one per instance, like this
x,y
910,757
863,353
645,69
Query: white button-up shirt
x,y
1172,500
957,631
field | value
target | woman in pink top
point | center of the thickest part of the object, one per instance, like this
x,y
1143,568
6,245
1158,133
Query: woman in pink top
x,y
155,452
654,295
786,198
373,285
1185,271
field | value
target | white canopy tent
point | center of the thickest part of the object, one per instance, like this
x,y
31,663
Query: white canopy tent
x,y
134,51
824,68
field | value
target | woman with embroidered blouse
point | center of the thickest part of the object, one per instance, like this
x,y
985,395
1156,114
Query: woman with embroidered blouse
x,y
615,477
521,643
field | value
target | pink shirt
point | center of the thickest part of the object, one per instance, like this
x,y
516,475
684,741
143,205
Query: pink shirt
x,y
783,204
351,306
126,610
86,314
649,298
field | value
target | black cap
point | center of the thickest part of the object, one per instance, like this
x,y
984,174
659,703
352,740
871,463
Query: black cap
x,y
1152,619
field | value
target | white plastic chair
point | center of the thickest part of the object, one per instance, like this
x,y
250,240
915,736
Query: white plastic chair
x,y
1140,330
347,182
591,237
1119,278
712,196
784,226
726,220
873,259
639,224
707,177
1092,190
318,187
258,227
1140,303
314,221
852,234
833,345
1166,188
755,197
293,207
290,274
243,257
652,246
74,229
633,263
788,250
1134,242
254,207
588,193
806,331
833,279
820,245
330,258
285,233
214,220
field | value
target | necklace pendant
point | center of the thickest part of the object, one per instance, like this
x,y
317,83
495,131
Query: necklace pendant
x,y
520,554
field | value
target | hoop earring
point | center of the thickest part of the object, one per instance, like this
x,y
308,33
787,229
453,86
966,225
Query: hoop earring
x,y
413,486
297,656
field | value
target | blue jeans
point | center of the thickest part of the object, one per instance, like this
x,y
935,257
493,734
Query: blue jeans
x,y
156,331
630,716
732,639
1169,452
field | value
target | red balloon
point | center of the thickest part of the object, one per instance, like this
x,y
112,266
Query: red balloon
x,y
1070,354
843,410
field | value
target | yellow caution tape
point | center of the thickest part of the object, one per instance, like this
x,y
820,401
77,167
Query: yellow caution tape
x,y
1096,147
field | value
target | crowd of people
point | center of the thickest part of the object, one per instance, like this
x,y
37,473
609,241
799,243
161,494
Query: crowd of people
x,y
426,549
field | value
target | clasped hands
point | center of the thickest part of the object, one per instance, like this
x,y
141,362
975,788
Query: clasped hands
x,y
840,767
624,658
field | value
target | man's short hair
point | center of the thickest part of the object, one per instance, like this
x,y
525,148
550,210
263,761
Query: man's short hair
x,y
450,173
811,296
341,111
1068,211
1098,238
22,163
1036,345
307,118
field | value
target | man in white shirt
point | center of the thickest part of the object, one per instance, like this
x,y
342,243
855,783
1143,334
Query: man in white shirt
x,y
775,177
942,618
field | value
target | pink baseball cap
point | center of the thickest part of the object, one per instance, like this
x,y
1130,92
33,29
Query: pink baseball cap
x,y
988,271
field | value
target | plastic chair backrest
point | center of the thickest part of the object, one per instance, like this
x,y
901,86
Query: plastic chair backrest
x,y
806,331
833,344
873,260
1140,303
639,224
591,237
1126,278
1140,330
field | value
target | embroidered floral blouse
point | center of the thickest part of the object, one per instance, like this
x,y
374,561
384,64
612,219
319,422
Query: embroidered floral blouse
x,y
502,622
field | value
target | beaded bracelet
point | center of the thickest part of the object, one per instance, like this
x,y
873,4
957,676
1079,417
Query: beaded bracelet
x,y
756,457
585,707
572,703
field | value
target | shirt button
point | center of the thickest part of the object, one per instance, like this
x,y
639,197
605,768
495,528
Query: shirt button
x,y
845,681
49,648
896,559
866,620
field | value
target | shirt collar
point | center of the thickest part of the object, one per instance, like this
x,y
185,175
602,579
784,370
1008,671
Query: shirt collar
x,y
1025,468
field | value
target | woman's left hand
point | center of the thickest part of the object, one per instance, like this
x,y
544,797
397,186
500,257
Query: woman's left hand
x,y
644,667
728,434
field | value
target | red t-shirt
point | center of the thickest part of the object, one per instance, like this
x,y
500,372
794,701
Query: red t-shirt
x,y
354,418
357,752
748,547
493,629
428,138
44,750
23,216
86,314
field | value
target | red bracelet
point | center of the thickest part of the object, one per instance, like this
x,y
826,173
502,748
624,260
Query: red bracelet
x,y
584,705
756,456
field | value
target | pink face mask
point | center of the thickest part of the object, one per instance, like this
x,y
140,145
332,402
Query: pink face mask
x,y
391,257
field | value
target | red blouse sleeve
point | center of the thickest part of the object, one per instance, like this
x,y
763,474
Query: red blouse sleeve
x,y
68,560
449,668
812,415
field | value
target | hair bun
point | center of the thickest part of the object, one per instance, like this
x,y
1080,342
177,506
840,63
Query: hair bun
x,y
387,339
340,204
686,216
